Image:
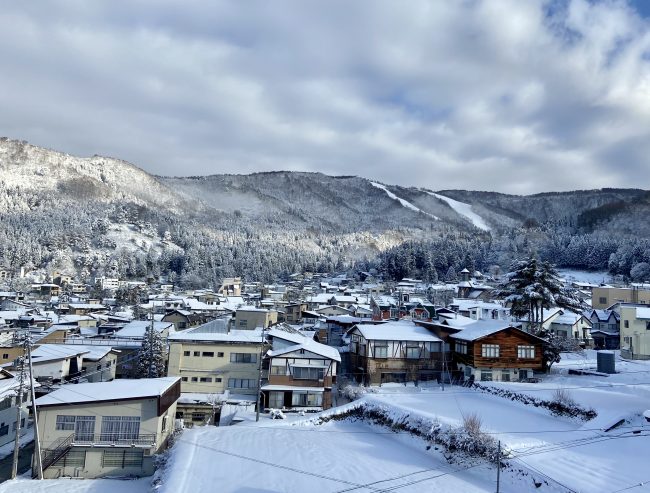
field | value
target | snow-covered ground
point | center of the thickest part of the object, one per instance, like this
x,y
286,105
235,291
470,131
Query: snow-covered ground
x,y
593,277
464,210
334,457
76,486
404,203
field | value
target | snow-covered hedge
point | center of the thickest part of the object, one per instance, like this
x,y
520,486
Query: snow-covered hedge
x,y
458,441
558,407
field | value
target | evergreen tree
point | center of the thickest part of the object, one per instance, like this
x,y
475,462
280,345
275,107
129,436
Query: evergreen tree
x,y
531,287
151,357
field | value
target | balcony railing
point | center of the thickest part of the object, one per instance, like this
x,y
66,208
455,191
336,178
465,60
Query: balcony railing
x,y
107,440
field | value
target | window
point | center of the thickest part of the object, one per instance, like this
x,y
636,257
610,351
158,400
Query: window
x,y
122,458
195,379
490,351
65,423
602,300
307,373
242,383
164,424
381,350
505,376
461,347
525,352
4,430
412,350
207,354
243,358
120,427
486,376
205,379
276,400
243,323
278,370
310,399
197,353
73,458
186,353
220,354
5,403
217,379
198,416
184,379
5,356
647,325
626,324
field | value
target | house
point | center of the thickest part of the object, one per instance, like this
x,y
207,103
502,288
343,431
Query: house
x,y
138,328
333,310
480,310
210,359
635,331
85,308
605,328
92,430
293,312
250,317
183,319
9,385
495,350
470,288
570,325
383,307
57,362
549,315
99,363
396,351
605,296
231,286
299,371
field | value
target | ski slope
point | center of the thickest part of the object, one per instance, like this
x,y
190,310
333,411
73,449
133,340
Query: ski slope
x,y
464,210
404,203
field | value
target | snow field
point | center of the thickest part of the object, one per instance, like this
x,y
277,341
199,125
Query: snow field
x,y
464,210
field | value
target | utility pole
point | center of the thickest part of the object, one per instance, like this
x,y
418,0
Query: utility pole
x,y
37,445
150,372
498,465
259,378
19,403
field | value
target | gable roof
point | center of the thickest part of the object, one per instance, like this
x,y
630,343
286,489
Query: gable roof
x,y
402,330
484,328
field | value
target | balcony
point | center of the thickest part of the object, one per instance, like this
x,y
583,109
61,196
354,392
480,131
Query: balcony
x,y
107,440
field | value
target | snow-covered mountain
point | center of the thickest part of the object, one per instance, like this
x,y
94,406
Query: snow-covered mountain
x,y
59,211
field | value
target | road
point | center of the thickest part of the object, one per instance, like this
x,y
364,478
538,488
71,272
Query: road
x,y
24,461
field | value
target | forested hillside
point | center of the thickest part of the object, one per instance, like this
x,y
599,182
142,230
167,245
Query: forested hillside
x,y
94,216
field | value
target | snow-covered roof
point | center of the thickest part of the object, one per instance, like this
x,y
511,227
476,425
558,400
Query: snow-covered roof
x,y
396,331
53,352
241,336
138,328
480,329
91,352
456,321
107,391
643,313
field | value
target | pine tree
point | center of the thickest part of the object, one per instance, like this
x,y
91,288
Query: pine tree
x,y
151,357
531,287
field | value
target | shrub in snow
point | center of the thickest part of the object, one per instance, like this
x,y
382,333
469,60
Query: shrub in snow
x,y
353,392
276,414
563,397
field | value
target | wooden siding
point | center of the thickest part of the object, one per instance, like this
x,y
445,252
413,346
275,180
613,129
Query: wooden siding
x,y
508,341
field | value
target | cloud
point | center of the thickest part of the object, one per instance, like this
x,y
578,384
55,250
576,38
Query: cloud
x,y
502,95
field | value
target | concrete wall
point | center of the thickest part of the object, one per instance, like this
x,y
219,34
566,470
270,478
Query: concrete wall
x,y
217,368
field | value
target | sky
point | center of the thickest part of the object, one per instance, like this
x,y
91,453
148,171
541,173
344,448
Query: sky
x,y
504,95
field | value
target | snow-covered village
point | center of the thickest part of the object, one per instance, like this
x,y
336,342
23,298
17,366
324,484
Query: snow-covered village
x,y
345,246
535,381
